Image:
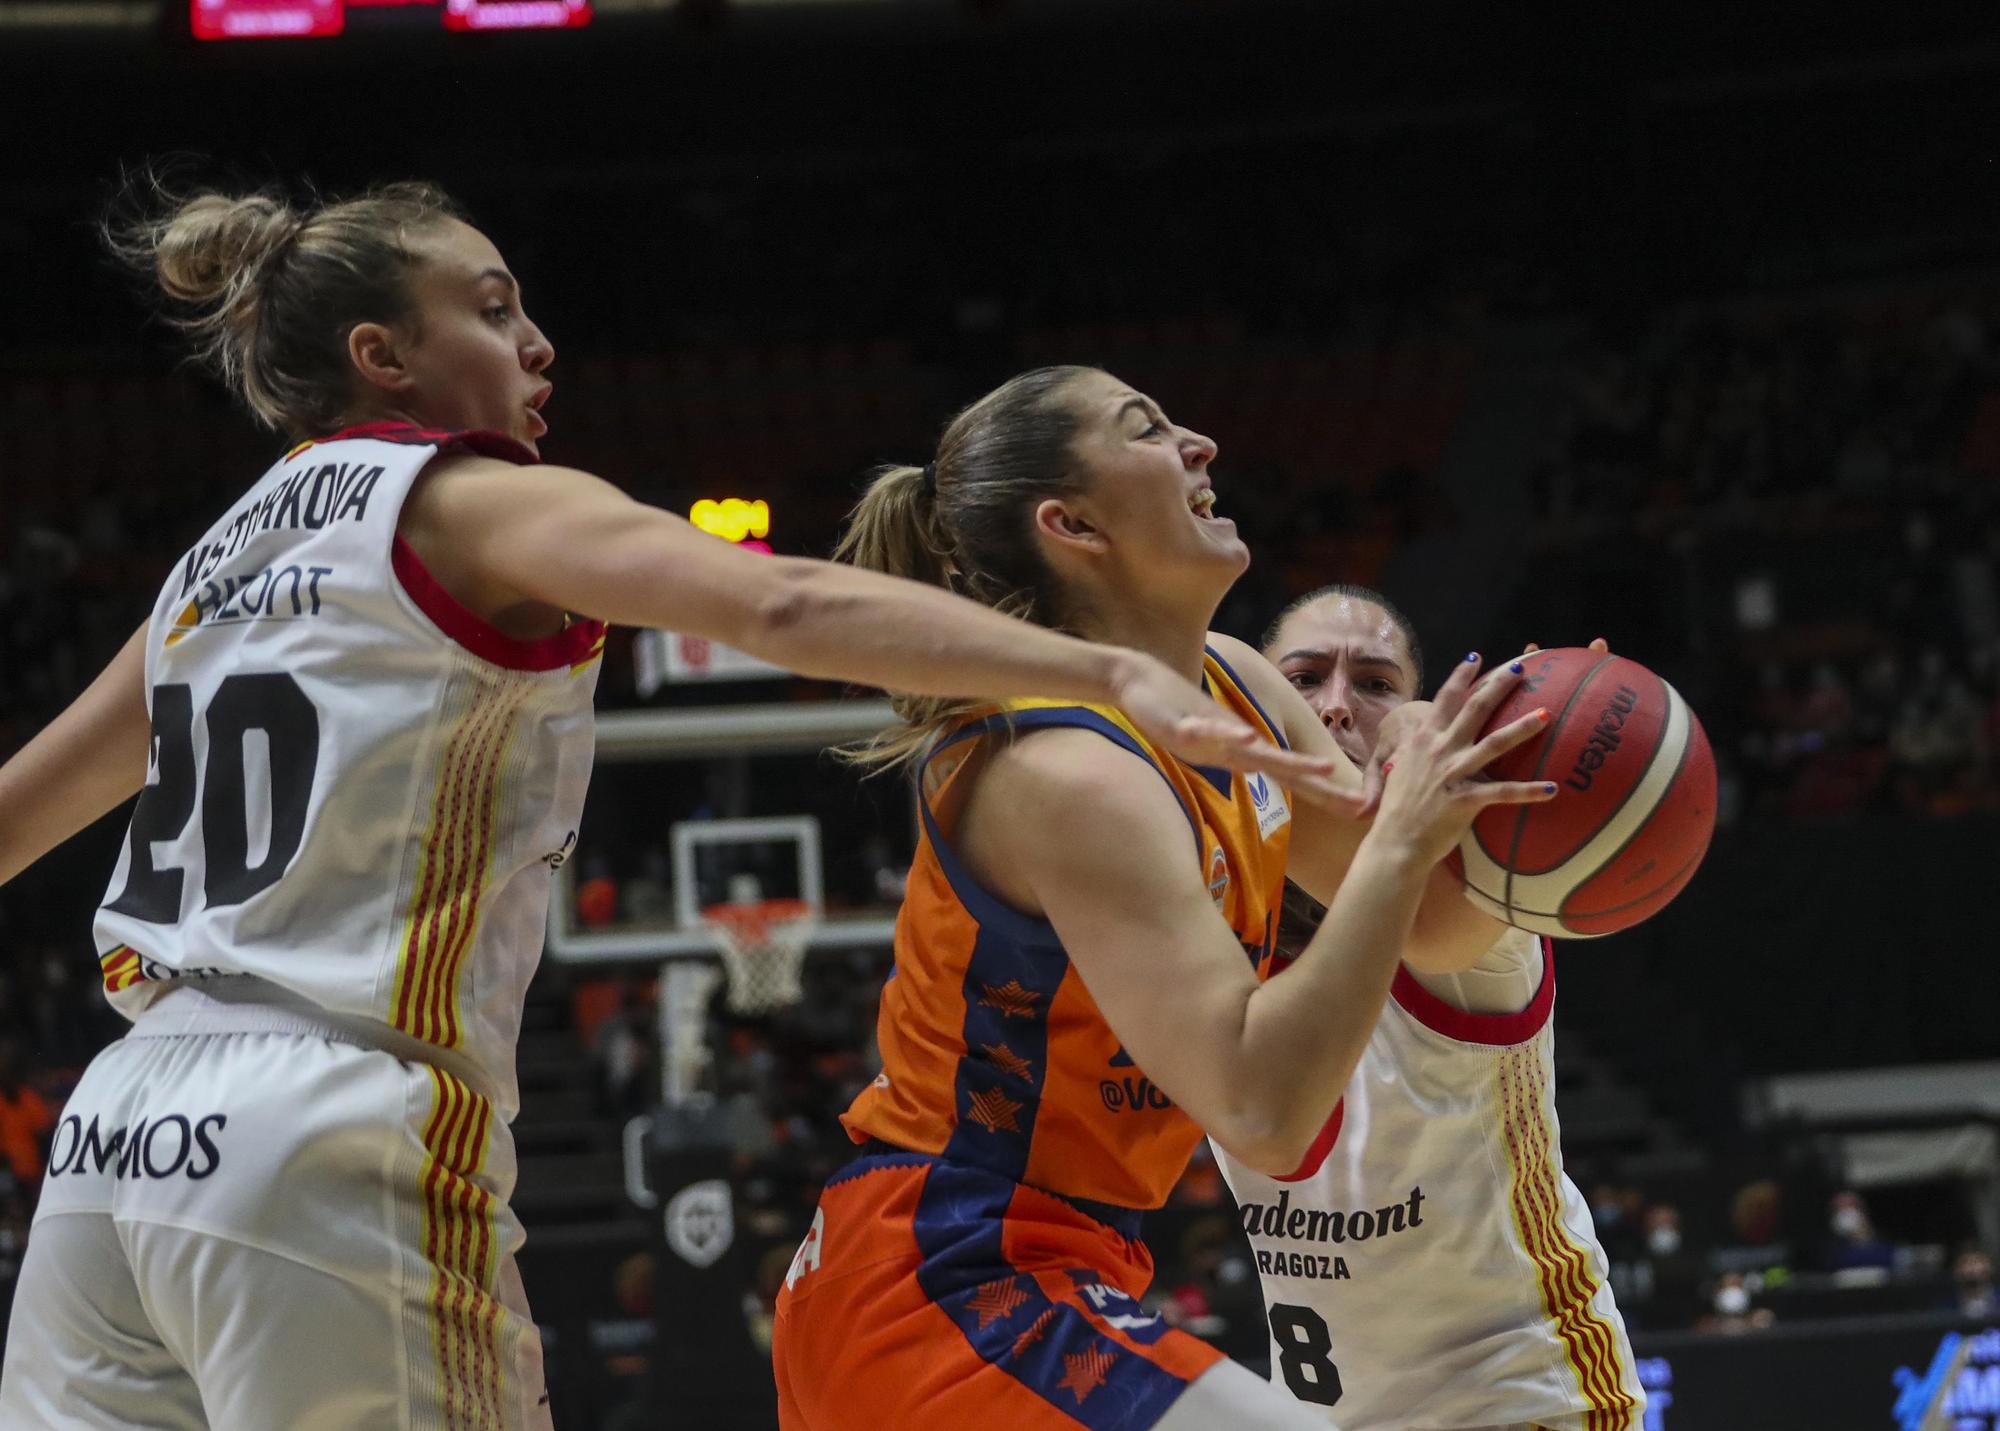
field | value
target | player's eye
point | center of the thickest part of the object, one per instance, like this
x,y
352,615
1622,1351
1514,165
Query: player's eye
x,y
1152,429
1303,680
497,312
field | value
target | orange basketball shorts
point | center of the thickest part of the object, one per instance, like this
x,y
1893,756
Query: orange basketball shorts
x,y
934,1294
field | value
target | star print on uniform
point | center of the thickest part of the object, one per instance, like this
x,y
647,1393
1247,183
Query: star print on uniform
x,y
994,1111
1013,999
1084,1371
1008,1061
996,1301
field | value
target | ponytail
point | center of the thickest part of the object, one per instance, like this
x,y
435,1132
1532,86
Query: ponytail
x,y
965,523
894,528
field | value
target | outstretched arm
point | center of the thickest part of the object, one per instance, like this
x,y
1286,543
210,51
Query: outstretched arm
x,y
570,540
89,760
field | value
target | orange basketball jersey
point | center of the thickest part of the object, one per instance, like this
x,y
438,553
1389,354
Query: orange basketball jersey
x,y
993,1052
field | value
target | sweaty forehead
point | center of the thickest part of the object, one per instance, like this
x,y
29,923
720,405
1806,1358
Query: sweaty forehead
x,y
1342,623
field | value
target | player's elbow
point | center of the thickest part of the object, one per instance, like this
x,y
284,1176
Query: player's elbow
x,y
1275,1140
789,607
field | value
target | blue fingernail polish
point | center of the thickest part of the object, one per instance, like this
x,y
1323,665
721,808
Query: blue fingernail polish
x,y
1549,787
1473,657
1515,668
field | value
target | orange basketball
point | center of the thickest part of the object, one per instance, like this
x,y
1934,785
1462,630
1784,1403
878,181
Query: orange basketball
x,y
1634,808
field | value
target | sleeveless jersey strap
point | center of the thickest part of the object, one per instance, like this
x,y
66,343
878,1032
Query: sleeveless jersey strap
x,y
472,440
1031,716
1271,727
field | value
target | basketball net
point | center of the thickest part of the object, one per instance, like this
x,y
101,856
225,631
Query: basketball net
x,y
763,945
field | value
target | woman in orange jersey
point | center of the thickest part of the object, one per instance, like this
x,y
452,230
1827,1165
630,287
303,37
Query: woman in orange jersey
x,y
1077,994
359,723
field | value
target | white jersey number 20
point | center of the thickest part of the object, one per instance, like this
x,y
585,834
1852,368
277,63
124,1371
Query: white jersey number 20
x,y
271,704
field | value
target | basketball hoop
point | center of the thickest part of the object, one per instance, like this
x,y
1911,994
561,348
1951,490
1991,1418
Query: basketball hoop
x,y
763,946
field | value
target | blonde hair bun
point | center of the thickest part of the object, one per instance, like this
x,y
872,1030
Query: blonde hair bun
x,y
214,243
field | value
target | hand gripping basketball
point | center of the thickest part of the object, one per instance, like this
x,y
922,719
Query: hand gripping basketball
x,y
1426,775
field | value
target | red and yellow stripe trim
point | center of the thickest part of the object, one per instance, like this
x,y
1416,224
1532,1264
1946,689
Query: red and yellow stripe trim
x,y
461,1244
122,968
455,863
1590,1344
591,656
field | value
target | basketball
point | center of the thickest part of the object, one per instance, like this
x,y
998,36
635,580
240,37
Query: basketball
x,y
1634,809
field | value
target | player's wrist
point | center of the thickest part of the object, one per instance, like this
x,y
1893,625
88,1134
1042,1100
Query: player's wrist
x,y
1122,670
1390,851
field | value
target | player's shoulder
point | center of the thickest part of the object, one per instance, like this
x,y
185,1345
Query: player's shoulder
x,y
1057,797
1071,764
460,488
1061,807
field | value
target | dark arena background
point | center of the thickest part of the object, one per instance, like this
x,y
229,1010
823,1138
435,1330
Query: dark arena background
x,y
1678,325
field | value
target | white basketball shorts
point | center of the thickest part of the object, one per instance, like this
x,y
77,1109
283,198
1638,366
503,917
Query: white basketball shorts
x,y
272,1227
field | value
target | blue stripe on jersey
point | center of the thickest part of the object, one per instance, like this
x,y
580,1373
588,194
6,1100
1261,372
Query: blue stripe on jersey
x,y
1127,1222
1049,1347
1277,731
1016,966
1009,987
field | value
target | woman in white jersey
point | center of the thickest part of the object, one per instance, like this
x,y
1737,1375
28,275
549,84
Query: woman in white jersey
x,y
361,720
1434,1268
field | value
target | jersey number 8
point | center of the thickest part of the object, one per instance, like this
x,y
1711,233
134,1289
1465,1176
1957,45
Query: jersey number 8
x,y
272,704
1305,1351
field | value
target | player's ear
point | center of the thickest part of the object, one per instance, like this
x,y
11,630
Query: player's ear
x,y
376,350
1061,523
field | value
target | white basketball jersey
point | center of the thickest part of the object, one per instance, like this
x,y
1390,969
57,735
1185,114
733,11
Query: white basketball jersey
x,y
1438,1272
358,790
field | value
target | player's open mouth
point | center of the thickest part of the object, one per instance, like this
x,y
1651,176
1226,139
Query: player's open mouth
x,y
1201,502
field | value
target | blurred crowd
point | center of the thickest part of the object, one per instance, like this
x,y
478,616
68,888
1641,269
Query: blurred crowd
x,y
1826,474
1767,1257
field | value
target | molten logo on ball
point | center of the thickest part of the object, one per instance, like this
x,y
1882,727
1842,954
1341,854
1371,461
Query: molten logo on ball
x,y
1604,739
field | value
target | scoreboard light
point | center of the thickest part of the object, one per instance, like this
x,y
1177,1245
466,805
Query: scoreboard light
x,y
266,19
734,520
300,19
516,14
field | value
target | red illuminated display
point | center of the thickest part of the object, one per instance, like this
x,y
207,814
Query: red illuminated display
x,y
516,14
291,19
266,19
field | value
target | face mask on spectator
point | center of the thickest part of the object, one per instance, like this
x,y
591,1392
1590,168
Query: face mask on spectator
x,y
1664,1241
1850,1222
1732,1301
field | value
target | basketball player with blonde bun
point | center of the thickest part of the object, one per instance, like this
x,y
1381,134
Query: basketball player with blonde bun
x,y
1433,1267
1076,997
359,720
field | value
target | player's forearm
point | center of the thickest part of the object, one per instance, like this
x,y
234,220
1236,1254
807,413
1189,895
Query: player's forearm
x,y
604,555
1451,933
1304,1030
91,758
845,623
